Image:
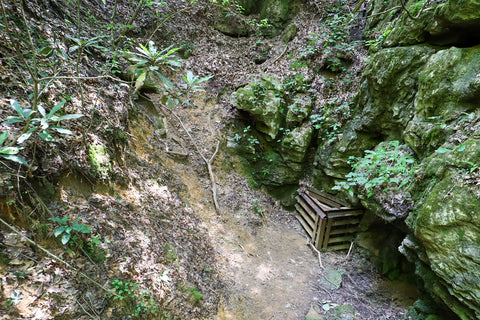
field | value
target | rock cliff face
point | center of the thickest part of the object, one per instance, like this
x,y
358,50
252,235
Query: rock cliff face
x,y
423,89
420,92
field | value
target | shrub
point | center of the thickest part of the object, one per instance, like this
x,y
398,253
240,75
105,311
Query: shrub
x,y
390,166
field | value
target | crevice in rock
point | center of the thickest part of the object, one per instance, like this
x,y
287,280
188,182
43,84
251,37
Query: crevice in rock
x,y
456,36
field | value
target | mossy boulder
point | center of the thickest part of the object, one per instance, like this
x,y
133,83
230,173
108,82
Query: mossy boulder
x,y
230,25
278,13
449,83
447,225
384,105
300,109
290,33
389,83
465,13
262,99
295,143
454,22
448,87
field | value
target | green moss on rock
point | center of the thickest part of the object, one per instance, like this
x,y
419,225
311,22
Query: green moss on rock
x,y
99,161
262,99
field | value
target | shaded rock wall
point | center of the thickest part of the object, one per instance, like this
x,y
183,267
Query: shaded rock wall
x,y
274,147
424,91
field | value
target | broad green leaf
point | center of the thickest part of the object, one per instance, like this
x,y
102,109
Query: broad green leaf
x,y
60,230
25,136
171,51
57,107
3,137
27,113
82,228
140,81
12,119
45,135
9,150
58,220
42,111
442,150
66,237
14,158
461,148
165,81
174,63
61,130
17,107
70,116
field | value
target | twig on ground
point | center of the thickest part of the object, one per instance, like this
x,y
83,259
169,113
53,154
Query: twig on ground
x,y
277,58
319,255
349,251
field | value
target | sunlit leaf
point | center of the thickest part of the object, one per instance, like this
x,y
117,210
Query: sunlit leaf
x,y
442,150
61,130
140,81
175,63
10,150
82,228
25,136
45,135
3,137
44,123
42,111
14,158
66,237
58,220
70,116
57,107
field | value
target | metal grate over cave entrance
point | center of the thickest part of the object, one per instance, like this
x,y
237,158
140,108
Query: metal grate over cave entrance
x,y
329,221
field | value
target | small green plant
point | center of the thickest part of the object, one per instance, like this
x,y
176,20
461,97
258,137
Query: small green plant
x,y
194,294
390,166
192,86
378,41
68,230
93,250
137,302
247,137
124,289
257,208
42,124
148,60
